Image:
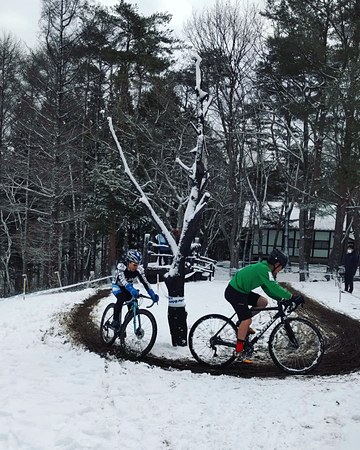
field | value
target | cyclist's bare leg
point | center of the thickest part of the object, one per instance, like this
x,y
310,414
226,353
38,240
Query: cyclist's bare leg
x,y
243,329
244,325
261,303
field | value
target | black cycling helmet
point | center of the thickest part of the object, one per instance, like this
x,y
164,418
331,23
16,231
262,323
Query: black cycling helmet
x,y
276,256
133,256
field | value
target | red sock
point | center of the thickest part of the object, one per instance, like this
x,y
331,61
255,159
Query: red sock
x,y
239,346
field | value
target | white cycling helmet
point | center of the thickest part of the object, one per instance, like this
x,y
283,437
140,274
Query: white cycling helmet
x,y
133,256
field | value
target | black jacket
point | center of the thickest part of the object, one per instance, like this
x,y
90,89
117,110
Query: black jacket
x,y
351,263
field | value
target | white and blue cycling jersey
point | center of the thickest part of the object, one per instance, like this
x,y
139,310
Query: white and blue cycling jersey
x,y
124,277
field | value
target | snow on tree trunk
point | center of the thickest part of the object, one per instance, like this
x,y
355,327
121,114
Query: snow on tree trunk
x,y
177,313
175,278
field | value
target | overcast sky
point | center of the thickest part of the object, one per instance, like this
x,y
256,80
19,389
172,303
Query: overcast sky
x,y
21,17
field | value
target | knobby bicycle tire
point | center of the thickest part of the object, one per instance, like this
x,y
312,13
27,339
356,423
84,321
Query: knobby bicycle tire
x,y
107,334
296,346
138,342
209,346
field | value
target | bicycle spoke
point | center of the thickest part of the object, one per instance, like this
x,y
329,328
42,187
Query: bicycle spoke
x,y
138,337
212,340
107,332
296,348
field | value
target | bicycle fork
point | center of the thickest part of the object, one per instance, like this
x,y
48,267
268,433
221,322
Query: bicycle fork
x,y
290,333
137,323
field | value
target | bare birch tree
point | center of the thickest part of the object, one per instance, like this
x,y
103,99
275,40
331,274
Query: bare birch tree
x,y
196,202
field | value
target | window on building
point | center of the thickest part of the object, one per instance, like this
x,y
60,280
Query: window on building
x,y
321,245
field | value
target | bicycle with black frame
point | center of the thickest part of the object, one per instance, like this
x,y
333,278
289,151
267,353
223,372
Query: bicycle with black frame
x,y
295,344
137,332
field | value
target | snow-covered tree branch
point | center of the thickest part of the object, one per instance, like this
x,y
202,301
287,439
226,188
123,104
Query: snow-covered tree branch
x,y
196,202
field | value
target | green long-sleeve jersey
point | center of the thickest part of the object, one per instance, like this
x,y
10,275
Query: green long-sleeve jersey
x,y
259,275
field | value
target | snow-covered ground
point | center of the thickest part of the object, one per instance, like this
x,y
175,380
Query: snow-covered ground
x,y
55,395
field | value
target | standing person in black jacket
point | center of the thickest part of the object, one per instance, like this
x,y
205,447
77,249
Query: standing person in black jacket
x,y
351,264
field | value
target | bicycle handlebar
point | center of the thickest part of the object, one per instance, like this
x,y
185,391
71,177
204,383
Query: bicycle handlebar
x,y
294,304
146,296
129,302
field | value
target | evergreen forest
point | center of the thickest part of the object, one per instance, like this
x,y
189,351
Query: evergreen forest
x,y
283,125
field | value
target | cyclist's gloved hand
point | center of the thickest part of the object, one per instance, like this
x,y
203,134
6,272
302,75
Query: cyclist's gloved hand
x,y
154,297
134,292
115,289
287,302
297,299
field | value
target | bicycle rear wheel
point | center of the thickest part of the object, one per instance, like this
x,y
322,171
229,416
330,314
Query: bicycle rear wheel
x,y
212,340
296,346
107,332
138,338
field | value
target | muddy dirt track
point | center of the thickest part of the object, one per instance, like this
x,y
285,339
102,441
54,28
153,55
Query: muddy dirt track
x,y
342,337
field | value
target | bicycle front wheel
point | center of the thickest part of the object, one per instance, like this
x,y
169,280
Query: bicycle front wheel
x,y
296,346
138,335
212,340
107,332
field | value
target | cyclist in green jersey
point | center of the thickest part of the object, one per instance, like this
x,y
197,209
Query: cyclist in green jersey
x,y
239,292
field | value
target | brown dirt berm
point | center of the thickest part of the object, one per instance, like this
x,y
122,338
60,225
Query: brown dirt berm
x,y
342,335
